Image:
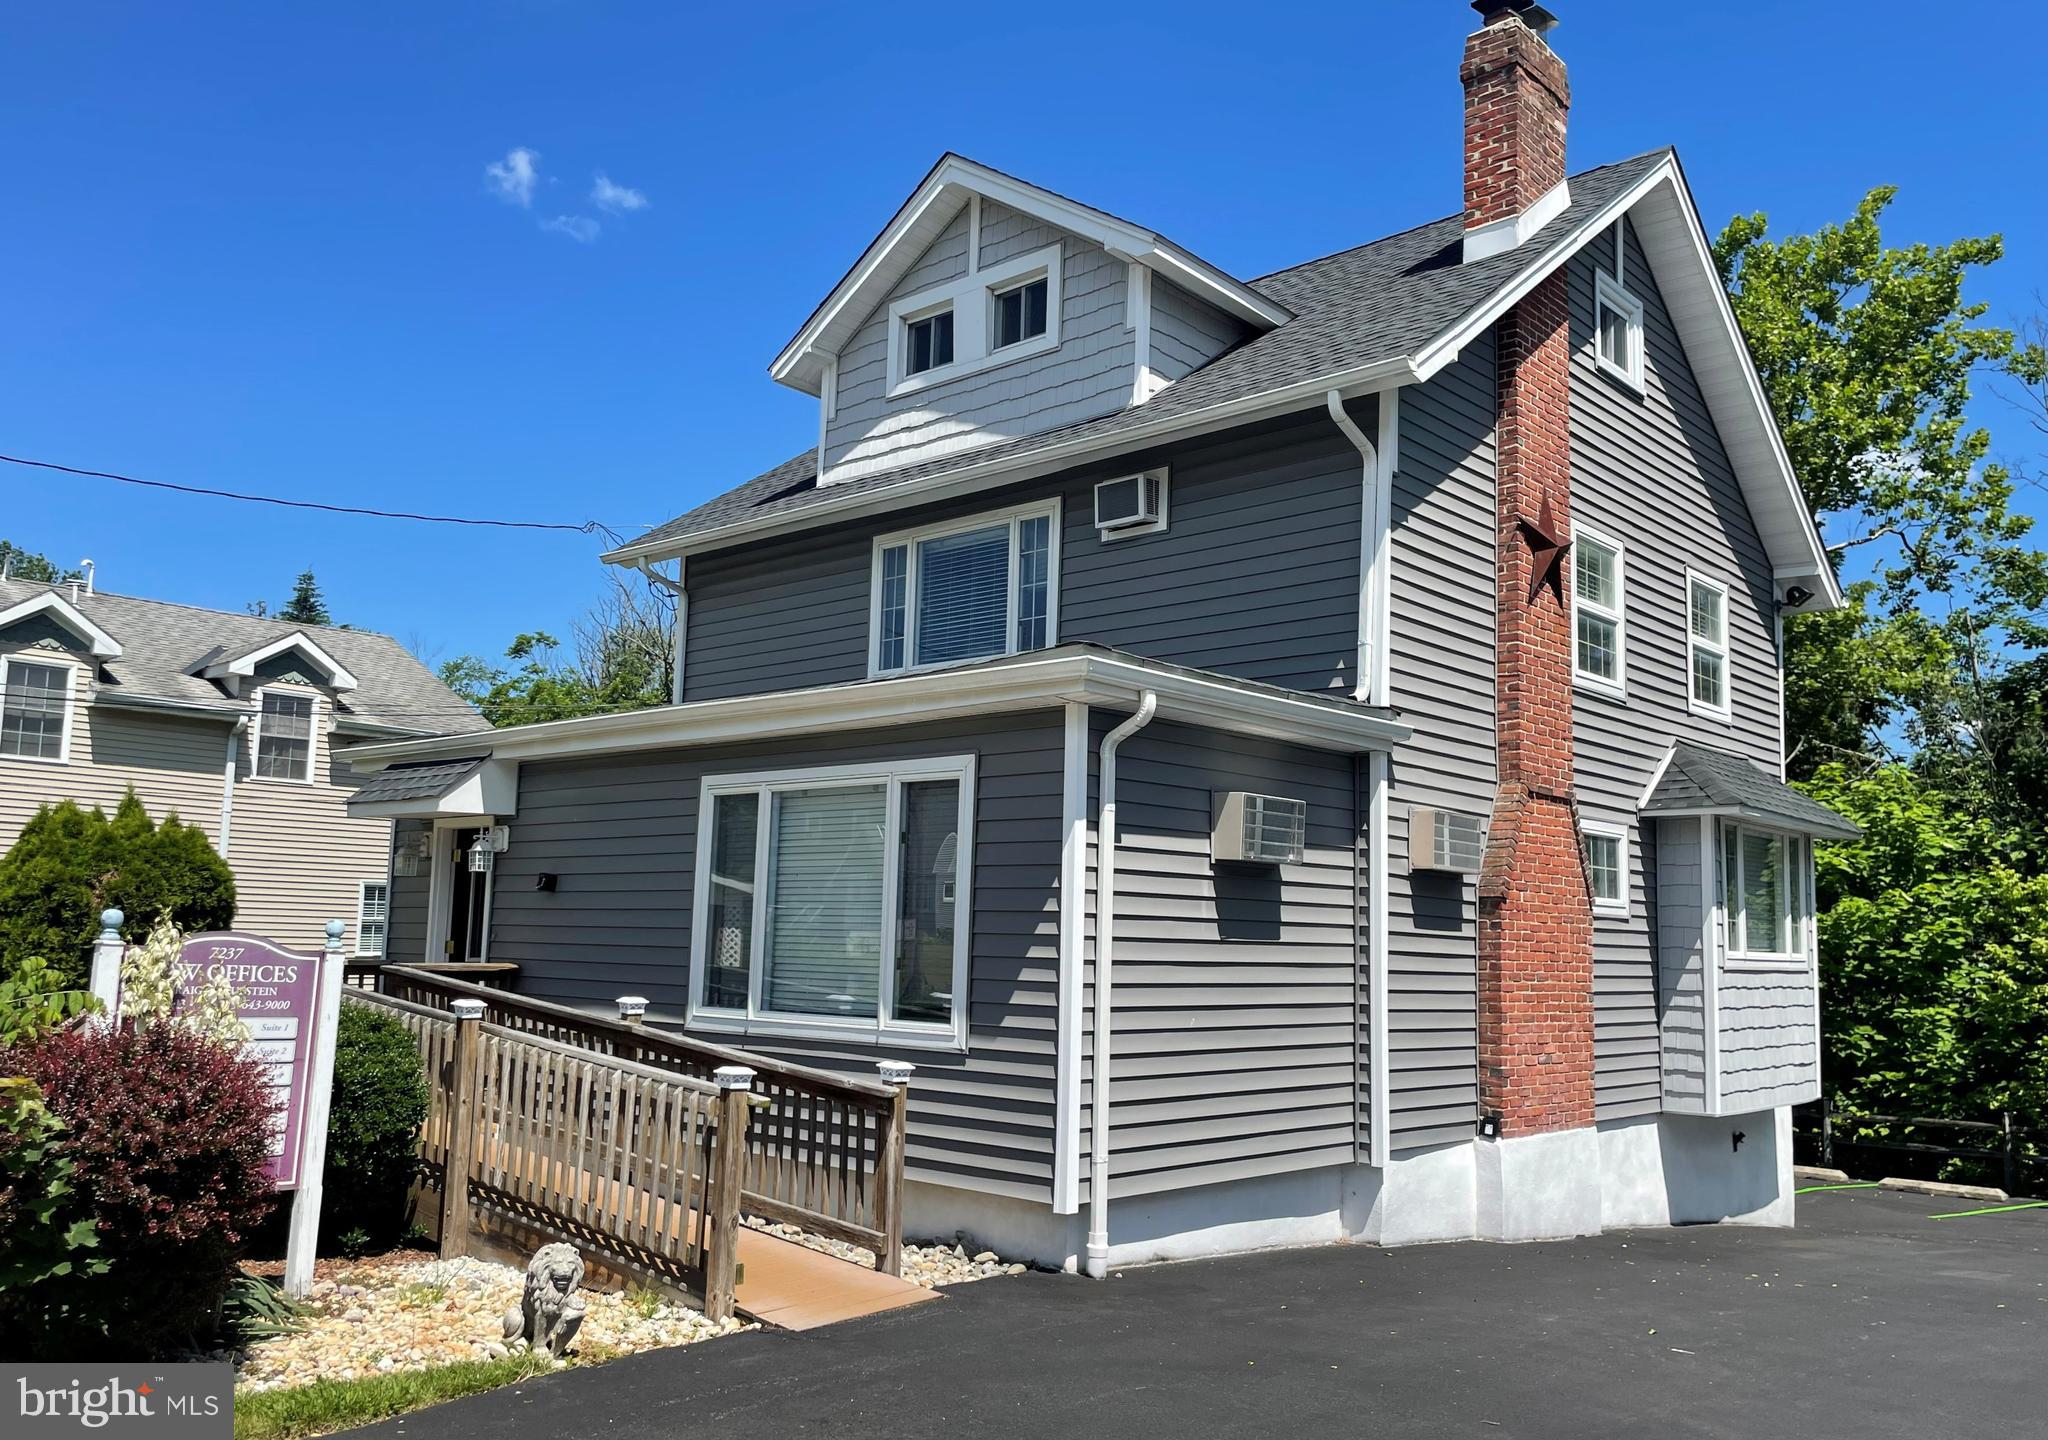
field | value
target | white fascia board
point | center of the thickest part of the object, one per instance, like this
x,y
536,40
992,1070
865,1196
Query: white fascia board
x,y
951,182
937,695
102,645
967,480
338,676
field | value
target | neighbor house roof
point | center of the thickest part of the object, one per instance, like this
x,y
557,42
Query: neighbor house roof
x,y
1391,312
1700,780
164,648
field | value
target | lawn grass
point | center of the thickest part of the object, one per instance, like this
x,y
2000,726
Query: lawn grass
x,y
326,1406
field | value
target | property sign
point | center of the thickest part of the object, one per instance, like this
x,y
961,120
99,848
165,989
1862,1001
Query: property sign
x,y
280,995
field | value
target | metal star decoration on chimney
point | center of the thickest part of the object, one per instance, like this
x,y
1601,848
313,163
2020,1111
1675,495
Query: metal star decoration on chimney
x,y
1547,552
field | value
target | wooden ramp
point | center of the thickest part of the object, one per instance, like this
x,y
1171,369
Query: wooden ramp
x,y
798,1288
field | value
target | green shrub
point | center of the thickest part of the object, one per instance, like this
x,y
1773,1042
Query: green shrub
x,y
380,1098
69,864
42,1235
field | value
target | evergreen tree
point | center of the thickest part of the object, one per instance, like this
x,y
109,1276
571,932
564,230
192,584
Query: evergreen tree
x,y
307,606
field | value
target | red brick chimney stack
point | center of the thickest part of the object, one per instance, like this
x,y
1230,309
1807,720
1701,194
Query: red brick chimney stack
x,y
1516,100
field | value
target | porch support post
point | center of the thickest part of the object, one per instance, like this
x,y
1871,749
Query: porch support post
x,y
728,1169
469,1019
889,1166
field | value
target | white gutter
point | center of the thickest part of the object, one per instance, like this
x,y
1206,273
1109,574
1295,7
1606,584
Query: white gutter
x,y
1105,932
227,782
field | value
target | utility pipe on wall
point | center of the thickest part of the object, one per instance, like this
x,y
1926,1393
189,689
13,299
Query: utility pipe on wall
x,y
227,781
1105,933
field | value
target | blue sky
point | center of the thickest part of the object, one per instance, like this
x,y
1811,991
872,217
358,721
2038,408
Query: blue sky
x,y
256,246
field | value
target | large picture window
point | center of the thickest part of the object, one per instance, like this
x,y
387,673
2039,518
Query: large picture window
x,y
835,899
1766,880
971,590
34,709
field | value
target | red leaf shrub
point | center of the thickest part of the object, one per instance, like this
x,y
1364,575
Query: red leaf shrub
x,y
168,1134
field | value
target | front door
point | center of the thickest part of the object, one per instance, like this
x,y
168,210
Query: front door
x,y
468,895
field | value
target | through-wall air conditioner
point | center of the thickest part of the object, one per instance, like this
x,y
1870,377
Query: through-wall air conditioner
x,y
1258,829
1445,840
1131,505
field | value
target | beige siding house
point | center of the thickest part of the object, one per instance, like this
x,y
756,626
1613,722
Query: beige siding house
x,y
238,725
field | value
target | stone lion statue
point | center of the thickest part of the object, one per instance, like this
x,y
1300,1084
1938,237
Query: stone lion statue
x,y
551,1312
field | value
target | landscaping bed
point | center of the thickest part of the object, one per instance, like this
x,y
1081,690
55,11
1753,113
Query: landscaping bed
x,y
933,1266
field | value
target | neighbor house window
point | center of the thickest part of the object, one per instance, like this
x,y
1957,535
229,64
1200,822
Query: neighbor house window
x,y
1019,313
1607,867
971,590
34,708
928,343
1765,879
836,898
1707,623
373,916
1618,331
1598,621
284,737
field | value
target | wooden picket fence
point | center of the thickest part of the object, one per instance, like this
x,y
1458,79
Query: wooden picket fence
x,y
641,1162
823,1152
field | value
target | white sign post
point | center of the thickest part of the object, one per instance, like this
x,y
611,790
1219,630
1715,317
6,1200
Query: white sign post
x,y
305,1226
106,965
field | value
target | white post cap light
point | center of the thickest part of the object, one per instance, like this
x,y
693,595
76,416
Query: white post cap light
x,y
734,1077
896,1072
632,1007
468,1009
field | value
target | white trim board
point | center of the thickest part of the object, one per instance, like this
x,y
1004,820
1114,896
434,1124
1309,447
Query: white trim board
x,y
103,646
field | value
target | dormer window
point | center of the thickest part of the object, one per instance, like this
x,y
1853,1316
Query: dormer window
x,y
1618,331
928,343
284,737
34,710
1019,313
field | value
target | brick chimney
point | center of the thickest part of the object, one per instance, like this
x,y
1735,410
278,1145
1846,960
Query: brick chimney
x,y
1516,99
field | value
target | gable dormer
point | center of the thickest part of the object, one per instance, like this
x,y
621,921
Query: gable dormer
x,y
292,659
47,621
989,309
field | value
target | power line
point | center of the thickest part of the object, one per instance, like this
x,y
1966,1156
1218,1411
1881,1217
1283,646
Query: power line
x,y
588,527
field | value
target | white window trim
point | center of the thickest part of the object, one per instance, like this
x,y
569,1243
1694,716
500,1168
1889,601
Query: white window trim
x,y
1608,292
312,737
1615,909
1734,930
971,298
1014,518
1697,706
1617,688
882,1028
362,896
71,669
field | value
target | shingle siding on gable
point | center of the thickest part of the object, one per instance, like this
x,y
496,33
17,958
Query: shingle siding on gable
x,y
1650,471
1089,374
1188,333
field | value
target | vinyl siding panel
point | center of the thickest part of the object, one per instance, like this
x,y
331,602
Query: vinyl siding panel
x,y
621,834
1649,470
1236,1038
406,933
1441,664
1681,966
1256,574
1770,1055
1087,375
1188,333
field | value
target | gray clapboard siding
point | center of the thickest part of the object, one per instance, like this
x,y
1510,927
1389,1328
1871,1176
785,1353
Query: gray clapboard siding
x,y
1187,333
1087,375
1441,663
1236,1017
1649,471
1681,965
405,933
1256,575
1770,1055
620,834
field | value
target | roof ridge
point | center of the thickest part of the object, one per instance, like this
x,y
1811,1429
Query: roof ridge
x,y
103,594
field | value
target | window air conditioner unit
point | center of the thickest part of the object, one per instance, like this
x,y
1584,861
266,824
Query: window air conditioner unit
x,y
1131,504
1258,829
1445,840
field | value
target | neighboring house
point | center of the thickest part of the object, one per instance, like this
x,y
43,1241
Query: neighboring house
x,y
238,725
1417,609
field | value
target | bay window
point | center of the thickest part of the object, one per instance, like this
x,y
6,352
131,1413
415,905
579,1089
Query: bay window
x,y
969,590
835,900
1766,881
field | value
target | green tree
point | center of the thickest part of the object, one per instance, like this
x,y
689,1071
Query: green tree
x,y
307,606
27,564
623,659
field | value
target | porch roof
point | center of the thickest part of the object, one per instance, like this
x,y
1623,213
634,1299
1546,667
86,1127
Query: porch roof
x,y
1700,780
428,789
1081,673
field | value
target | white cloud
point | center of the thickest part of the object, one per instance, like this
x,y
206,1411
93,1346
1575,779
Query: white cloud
x,y
513,178
618,199
580,228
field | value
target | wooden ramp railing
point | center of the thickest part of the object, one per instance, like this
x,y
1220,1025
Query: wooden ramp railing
x,y
823,1152
645,1162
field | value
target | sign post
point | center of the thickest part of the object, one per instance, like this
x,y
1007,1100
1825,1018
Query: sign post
x,y
305,1226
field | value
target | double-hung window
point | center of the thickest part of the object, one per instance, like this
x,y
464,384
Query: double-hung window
x,y
1618,331
34,710
1766,880
836,900
1607,867
373,916
970,590
1706,604
1599,617
284,737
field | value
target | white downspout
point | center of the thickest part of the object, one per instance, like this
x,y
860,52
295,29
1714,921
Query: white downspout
x,y
227,781
1369,687
1105,931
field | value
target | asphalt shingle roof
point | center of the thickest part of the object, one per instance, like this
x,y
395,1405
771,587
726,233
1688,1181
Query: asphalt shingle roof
x,y
1700,777
425,780
1374,303
163,645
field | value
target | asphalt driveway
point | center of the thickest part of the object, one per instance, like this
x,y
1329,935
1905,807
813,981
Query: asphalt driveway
x,y
1870,1319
